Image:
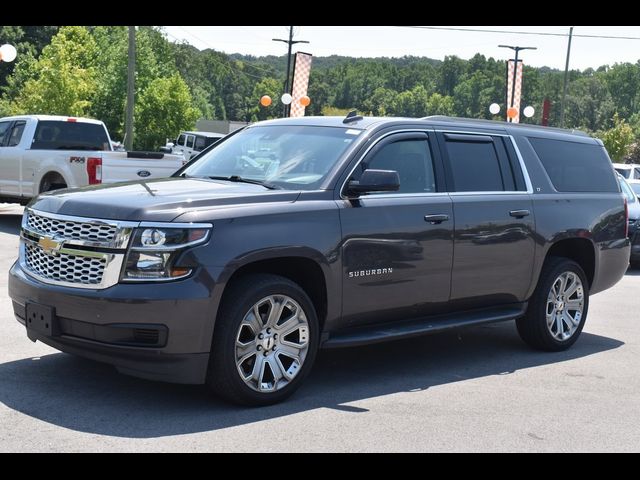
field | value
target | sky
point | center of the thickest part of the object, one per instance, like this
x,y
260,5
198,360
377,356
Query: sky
x,y
380,41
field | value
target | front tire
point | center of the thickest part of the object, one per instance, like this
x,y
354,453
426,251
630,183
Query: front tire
x,y
558,308
265,341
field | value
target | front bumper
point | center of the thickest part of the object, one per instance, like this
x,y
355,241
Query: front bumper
x,y
117,325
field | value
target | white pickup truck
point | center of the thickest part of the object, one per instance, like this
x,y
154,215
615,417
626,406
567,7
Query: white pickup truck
x,y
39,153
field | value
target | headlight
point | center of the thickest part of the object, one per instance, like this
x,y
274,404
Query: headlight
x,y
155,248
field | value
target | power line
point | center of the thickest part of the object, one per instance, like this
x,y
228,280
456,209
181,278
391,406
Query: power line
x,y
481,30
549,34
229,68
241,61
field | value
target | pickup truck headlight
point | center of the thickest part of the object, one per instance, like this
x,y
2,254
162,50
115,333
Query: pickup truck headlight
x,y
154,249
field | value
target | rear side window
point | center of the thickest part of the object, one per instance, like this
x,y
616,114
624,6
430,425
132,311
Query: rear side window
x,y
4,129
16,133
478,163
575,167
201,142
57,135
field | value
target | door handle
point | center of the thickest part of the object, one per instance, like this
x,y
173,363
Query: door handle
x,y
436,219
519,213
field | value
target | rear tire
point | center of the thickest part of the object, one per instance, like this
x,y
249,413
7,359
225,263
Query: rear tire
x,y
558,308
265,341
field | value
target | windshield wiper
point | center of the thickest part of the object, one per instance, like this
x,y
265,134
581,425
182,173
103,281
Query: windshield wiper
x,y
239,179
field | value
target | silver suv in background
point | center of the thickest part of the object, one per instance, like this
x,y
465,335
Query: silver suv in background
x,y
630,171
192,143
633,204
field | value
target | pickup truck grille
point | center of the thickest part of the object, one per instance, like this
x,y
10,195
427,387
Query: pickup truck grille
x,y
63,267
71,229
73,251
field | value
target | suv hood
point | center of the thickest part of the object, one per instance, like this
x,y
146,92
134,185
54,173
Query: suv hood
x,y
159,200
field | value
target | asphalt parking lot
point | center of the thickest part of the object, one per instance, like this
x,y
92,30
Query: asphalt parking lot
x,y
478,389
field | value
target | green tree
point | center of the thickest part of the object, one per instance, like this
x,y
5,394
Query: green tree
x,y
154,59
589,104
618,139
163,109
411,103
623,80
382,102
451,70
63,79
270,87
28,40
439,105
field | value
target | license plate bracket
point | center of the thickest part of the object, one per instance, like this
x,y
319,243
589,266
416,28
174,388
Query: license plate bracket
x,y
42,319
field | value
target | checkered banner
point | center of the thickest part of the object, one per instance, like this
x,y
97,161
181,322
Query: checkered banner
x,y
301,71
518,89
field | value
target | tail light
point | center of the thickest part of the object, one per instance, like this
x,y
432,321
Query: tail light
x,y
626,218
94,170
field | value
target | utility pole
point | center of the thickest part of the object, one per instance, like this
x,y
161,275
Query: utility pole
x,y
291,42
515,69
566,79
131,83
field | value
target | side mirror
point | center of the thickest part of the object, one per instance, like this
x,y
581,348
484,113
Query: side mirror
x,y
374,181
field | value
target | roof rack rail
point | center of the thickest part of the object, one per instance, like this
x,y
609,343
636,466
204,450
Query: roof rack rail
x,y
494,123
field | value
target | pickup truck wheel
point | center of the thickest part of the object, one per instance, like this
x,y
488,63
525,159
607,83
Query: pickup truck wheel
x,y
265,341
558,308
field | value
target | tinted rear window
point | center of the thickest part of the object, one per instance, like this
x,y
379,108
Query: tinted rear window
x,y
475,167
576,167
57,135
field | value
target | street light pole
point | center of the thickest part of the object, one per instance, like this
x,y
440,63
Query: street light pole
x,y
291,42
566,79
131,75
515,68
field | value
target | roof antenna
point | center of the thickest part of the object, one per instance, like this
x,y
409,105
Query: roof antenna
x,y
352,116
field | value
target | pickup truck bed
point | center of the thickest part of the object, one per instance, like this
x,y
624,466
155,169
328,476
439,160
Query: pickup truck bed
x,y
40,153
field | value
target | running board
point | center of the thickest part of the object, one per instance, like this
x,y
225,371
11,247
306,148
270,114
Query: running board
x,y
411,328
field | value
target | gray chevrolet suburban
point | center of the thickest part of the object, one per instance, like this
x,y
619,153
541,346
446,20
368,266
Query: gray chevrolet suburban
x,y
342,232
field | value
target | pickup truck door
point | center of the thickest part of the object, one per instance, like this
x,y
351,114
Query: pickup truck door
x,y
11,158
397,247
494,239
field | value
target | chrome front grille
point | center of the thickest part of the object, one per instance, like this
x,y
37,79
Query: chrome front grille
x,y
77,269
71,230
73,251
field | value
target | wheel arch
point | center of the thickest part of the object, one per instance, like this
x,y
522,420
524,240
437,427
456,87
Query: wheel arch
x,y
579,249
304,266
50,172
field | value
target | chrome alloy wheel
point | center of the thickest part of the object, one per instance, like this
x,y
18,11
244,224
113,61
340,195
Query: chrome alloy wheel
x,y
565,306
272,343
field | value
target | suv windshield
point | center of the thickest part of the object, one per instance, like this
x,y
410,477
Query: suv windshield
x,y
290,157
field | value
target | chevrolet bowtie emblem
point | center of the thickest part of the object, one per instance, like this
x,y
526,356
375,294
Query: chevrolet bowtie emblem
x,y
49,245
